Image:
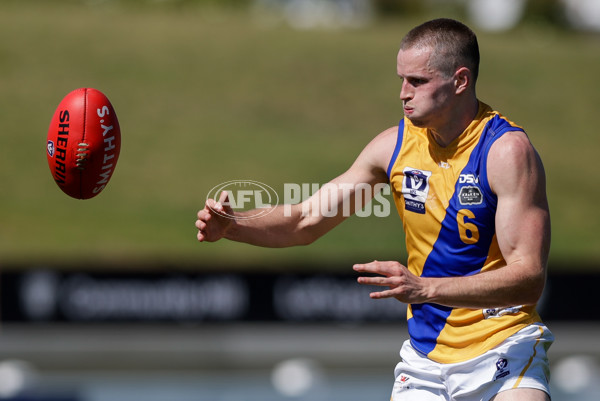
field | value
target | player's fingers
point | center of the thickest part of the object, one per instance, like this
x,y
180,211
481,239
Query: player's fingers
x,y
389,268
210,203
222,206
218,205
383,294
223,197
379,281
365,267
213,207
204,215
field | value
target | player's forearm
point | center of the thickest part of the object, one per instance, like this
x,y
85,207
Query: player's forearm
x,y
511,285
278,227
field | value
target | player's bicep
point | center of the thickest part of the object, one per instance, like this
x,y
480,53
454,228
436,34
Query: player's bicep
x,y
361,182
517,177
353,189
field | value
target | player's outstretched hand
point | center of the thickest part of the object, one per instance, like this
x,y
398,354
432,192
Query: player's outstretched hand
x,y
214,220
401,283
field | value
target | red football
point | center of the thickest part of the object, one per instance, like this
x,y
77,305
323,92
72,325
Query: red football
x,y
84,141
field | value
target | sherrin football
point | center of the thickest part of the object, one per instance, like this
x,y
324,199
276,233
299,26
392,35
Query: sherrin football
x,y
83,143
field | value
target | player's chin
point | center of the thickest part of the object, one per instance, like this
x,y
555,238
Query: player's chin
x,y
416,121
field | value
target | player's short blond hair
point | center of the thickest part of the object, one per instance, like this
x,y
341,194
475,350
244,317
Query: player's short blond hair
x,y
454,45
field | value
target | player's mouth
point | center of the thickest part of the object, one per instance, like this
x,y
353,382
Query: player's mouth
x,y
408,110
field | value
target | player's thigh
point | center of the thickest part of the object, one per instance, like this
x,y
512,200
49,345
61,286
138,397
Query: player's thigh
x,y
521,394
417,378
413,384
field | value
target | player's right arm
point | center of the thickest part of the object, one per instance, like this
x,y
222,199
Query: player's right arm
x,y
302,223
277,228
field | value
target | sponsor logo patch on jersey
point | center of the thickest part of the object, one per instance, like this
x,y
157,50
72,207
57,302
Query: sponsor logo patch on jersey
x,y
498,312
470,195
415,188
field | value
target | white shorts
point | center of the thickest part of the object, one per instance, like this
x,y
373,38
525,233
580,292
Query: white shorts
x,y
518,362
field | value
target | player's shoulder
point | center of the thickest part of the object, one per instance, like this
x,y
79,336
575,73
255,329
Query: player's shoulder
x,y
379,150
390,132
384,143
513,158
512,147
386,138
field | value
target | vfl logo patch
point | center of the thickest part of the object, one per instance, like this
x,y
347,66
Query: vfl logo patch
x,y
501,369
415,188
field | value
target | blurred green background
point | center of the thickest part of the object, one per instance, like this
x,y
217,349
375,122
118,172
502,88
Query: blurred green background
x,y
212,91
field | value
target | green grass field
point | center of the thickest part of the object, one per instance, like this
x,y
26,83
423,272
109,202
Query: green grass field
x,y
206,95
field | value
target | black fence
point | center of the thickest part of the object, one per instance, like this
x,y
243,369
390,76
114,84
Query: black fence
x,y
66,296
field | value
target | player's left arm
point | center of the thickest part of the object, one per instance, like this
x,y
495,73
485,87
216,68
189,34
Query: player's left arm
x,y
516,175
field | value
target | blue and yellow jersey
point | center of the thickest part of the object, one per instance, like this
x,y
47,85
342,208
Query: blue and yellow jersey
x,y
448,212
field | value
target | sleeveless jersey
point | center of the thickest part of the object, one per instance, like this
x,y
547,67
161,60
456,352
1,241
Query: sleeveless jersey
x,y
448,213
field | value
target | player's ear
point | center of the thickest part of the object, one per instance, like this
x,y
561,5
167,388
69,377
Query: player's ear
x,y
462,79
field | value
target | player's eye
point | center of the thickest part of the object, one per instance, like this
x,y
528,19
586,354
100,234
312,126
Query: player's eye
x,y
417,81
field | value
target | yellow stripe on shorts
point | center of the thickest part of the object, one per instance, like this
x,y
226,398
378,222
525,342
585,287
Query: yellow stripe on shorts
x,y
530,359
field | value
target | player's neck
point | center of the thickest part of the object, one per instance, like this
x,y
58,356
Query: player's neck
x,y
456,124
